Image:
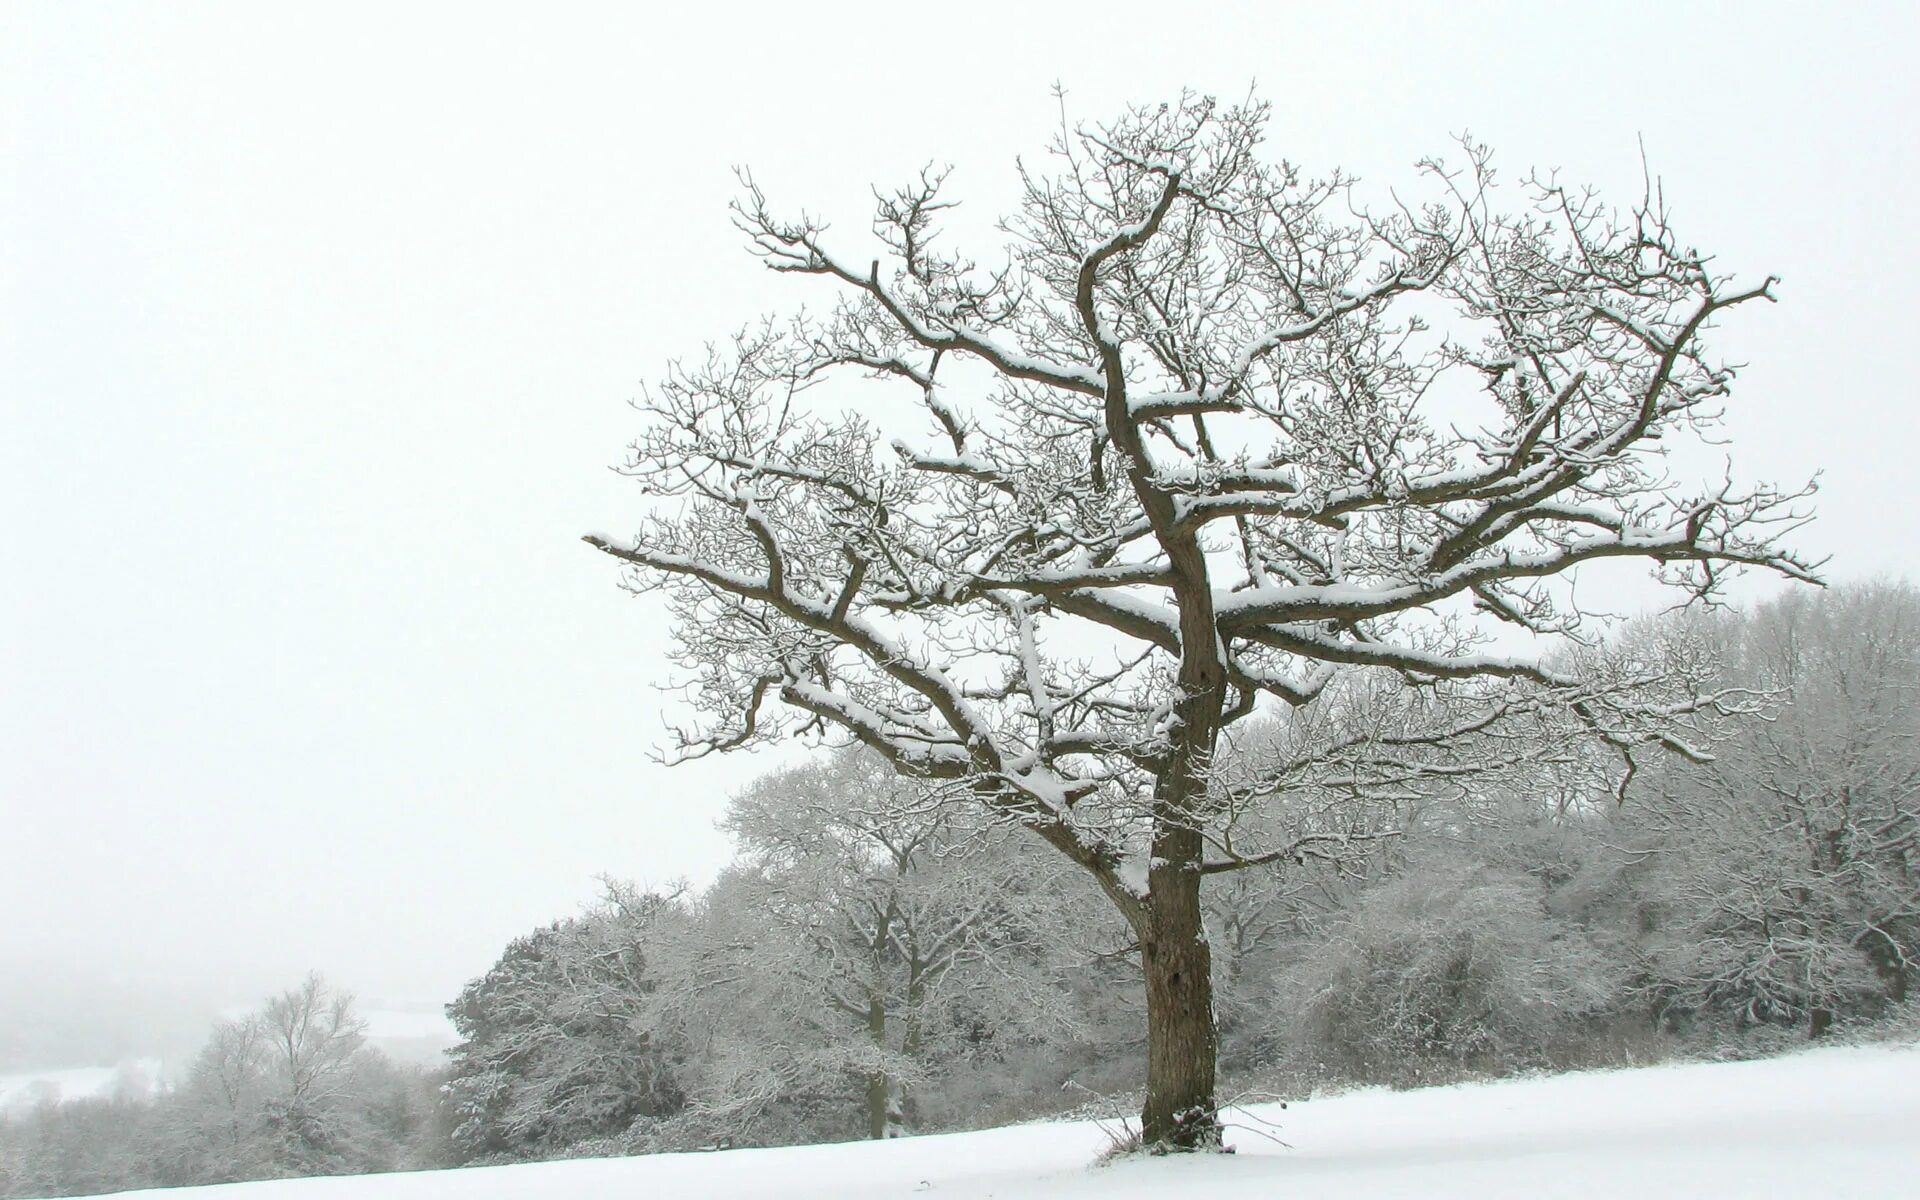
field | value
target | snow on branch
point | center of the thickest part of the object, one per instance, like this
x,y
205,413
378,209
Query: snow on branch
x,y
1206,435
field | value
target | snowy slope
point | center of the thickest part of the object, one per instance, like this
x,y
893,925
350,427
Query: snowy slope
x,y
1829,1124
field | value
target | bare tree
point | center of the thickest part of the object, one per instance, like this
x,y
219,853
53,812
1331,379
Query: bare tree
x,y
281,1091
1204,436
309,1037
895,920
221,1104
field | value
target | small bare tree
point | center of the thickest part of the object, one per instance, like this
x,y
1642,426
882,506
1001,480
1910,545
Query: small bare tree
x,y
1206,435
881,912
278,1092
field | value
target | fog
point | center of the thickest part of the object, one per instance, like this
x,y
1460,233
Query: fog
x,y
318,329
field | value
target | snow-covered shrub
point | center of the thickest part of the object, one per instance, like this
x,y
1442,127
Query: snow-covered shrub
x,y
1440,971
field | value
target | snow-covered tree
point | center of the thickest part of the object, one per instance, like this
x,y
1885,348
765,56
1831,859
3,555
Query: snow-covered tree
x,y
309,1038
1784,877
1446,965
560,1039
222,1106
287,1090
1198,439
890,933
80,1146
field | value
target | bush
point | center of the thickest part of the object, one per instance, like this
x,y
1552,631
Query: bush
x,y
1439,973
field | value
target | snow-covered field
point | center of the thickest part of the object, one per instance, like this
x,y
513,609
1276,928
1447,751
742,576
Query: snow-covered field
x,y
1828,1124
136,1077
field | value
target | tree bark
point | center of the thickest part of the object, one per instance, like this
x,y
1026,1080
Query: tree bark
x,y
1182,1042
1889,965
879,1092
879,1087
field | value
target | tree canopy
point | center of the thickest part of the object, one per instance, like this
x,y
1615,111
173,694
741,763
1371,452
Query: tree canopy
x,y
1206,432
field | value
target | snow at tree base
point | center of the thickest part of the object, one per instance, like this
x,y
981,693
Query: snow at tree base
x,y
1831,1123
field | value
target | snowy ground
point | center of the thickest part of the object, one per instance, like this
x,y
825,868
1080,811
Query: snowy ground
x,y
1829,1124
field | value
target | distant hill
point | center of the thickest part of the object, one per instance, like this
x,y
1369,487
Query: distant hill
x,y
134,1078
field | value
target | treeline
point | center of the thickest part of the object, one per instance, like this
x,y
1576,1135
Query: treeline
x,y
289,1090
859,970
882,959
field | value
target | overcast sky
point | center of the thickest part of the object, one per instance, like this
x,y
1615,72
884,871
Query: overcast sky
x,y
317,333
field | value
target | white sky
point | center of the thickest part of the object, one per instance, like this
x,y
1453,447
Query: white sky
x,y
316,332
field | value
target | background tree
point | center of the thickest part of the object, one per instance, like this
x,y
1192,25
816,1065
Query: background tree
x,y
310,1039
1782,880
910,936
1444,967
1199,438
293,1089
81,1146
221,1113
561,1039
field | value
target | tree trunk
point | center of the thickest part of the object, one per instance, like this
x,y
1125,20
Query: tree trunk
x,y
1182,1043
879,1094
1818,1022
879,1087
1889,964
